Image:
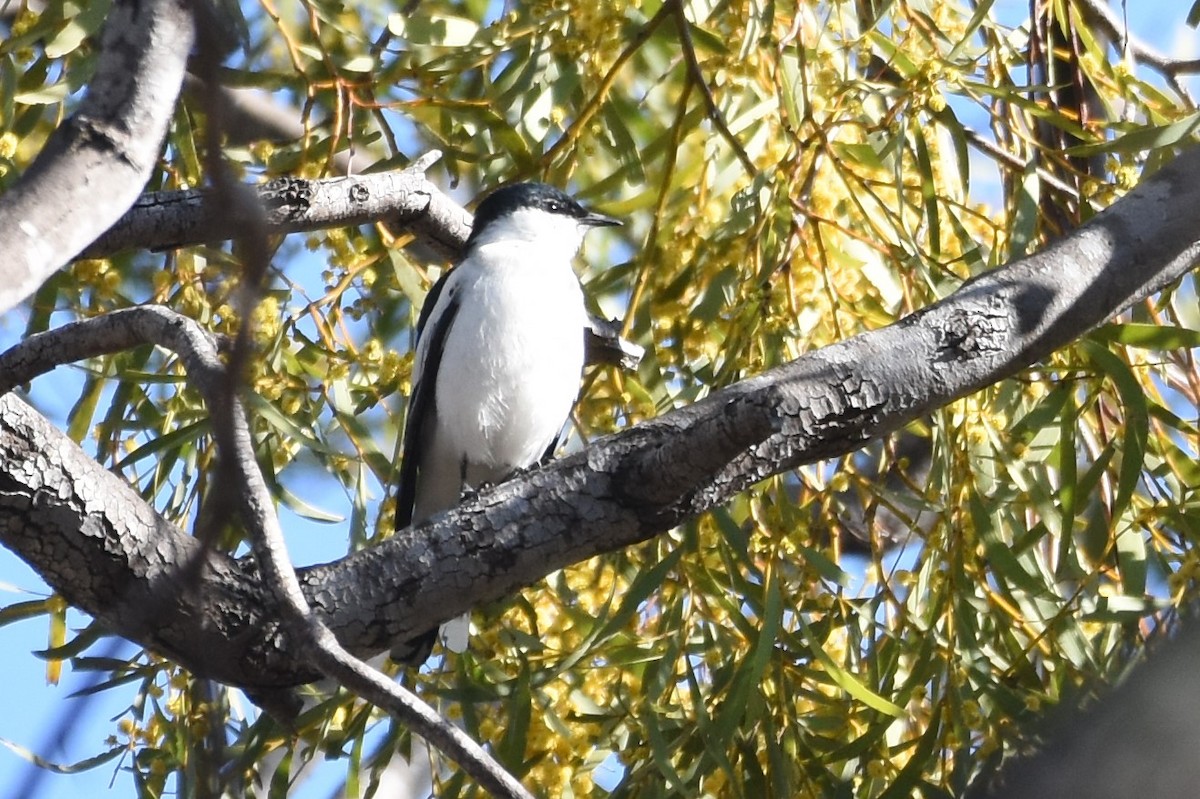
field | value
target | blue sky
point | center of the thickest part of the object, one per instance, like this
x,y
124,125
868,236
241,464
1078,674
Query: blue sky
x,y
35,711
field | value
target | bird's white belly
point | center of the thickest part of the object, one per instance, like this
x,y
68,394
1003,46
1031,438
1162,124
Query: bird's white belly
x,y
511,366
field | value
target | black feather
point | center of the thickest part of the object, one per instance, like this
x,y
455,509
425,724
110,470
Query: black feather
x,y
418,423
517,196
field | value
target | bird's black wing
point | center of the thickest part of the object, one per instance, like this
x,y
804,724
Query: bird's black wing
x,y
419,421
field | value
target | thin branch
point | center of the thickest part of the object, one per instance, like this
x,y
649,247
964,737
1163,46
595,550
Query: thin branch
x,y
697,74
1101,15
235,444
113,332
168,219
579,124
994,150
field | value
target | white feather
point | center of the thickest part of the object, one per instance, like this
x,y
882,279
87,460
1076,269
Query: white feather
x,y
511,361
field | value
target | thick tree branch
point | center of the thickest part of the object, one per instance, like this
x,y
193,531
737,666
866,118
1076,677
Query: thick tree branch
x,y
106,149
627,487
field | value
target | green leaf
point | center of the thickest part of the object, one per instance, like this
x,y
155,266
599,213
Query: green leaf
x,y
440,30
79,421
928,189
364,63
1124,609
77,645
281,779
639,590
1000,557
287,426
967,34
26,610
750,671
844,679
1131,560
1151,137
947,119
1068,493
1025,215
1137,422
166,442
1147,336
660,752
305,509
519,706
47,95
902,786
59,768
79,27
105,685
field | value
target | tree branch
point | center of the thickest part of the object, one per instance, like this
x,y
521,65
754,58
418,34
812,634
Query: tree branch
x,y
155,623
622,489
108,147
168,219
696,72
1139,739
241,472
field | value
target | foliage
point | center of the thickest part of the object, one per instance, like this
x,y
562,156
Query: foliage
x,y
885,625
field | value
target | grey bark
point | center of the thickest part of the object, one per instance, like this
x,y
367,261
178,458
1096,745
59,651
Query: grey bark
x,y
105,150
621,490
168,219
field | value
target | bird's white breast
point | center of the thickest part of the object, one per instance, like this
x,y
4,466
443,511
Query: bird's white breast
x,y
511,364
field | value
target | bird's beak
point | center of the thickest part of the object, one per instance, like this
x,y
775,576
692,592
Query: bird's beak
x,y
599,220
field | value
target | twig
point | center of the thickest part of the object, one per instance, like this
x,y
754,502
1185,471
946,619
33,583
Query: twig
x,y
572,133
197,351
693,62
989,147
168,219
231,430
1102,16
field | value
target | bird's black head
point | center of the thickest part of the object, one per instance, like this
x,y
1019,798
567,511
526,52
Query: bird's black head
x,y
533,196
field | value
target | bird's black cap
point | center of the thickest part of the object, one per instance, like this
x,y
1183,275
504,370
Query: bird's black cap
x,y
515,197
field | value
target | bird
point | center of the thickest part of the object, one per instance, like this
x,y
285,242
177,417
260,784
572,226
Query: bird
x,y
499,356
